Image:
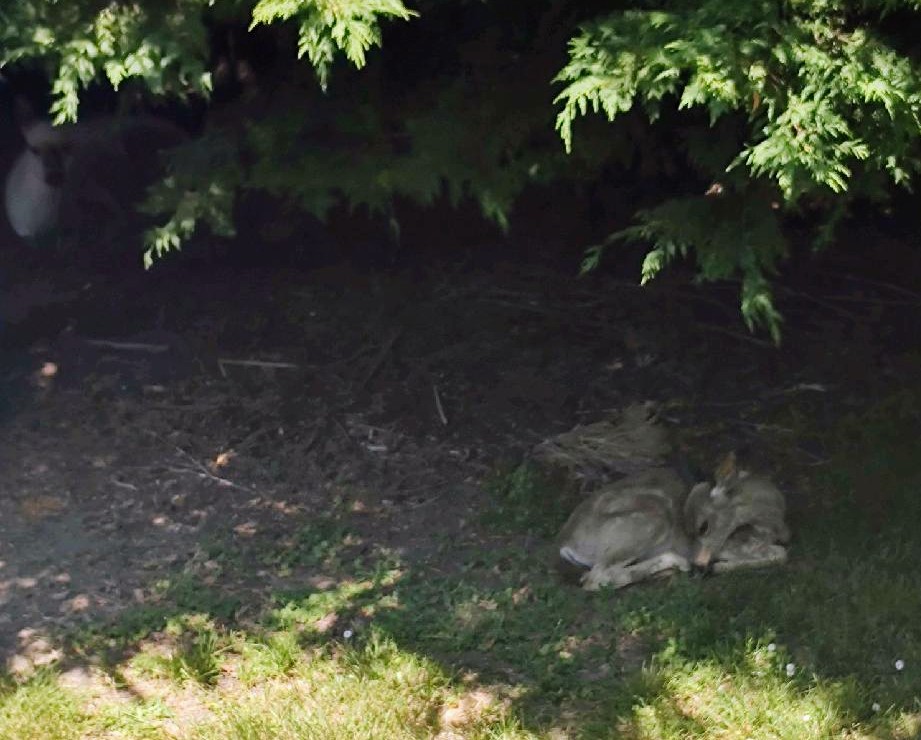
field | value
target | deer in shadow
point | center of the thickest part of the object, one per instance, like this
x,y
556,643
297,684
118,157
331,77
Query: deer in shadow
x,y
84,179
647,525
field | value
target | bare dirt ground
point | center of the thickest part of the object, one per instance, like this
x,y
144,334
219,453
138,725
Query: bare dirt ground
x,y
161,424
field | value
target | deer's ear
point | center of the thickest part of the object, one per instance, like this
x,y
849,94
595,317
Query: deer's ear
x,y
695,502
727,469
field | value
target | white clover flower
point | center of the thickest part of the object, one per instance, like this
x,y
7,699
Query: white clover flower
x,y
771,648
875,706
791,669
347,634
900,665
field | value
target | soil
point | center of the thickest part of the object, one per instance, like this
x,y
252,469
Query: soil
x,y
149,415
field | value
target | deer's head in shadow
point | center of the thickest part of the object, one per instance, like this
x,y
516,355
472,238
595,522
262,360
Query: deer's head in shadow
x,y
86,176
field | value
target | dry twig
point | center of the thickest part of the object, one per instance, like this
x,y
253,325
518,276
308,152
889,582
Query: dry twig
x,y
266,364
200,469
128,346
438,406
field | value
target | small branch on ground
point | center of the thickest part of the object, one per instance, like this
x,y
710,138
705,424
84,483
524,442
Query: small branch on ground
x,y
438,406
223,362
128,346
202,471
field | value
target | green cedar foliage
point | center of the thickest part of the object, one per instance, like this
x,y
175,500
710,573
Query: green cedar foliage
x,y
161,44
326,27
478,127
830,110
776,106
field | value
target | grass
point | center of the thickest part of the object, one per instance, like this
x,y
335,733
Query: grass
x,y
498,648
528,499
194,653
40,709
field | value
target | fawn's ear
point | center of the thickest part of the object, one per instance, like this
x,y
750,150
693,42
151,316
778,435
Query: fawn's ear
x,y
695,501
727,469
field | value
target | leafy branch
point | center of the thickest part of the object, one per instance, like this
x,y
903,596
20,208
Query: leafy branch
x,y
829,107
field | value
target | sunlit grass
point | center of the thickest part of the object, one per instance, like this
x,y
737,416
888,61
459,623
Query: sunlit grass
x,y
195,653
529,676
276,656
374,690
378,688
40,709
140,720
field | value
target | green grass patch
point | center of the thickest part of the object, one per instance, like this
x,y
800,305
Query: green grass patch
x,y
373,690
272,656
324,541
528,498
195,652
173,599
40,709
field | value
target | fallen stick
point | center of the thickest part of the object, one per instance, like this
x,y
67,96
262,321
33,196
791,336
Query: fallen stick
x,y
201,470
128,346
438,406
267,364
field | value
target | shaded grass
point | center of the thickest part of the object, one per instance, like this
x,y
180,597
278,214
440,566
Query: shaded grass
x,y
529,499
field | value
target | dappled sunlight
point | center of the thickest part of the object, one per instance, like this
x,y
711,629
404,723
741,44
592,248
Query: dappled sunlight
x,y
35,649
339,607
276,686
756,699
82,702
759,698
93,525
318,627
376,690
41,709
381,648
